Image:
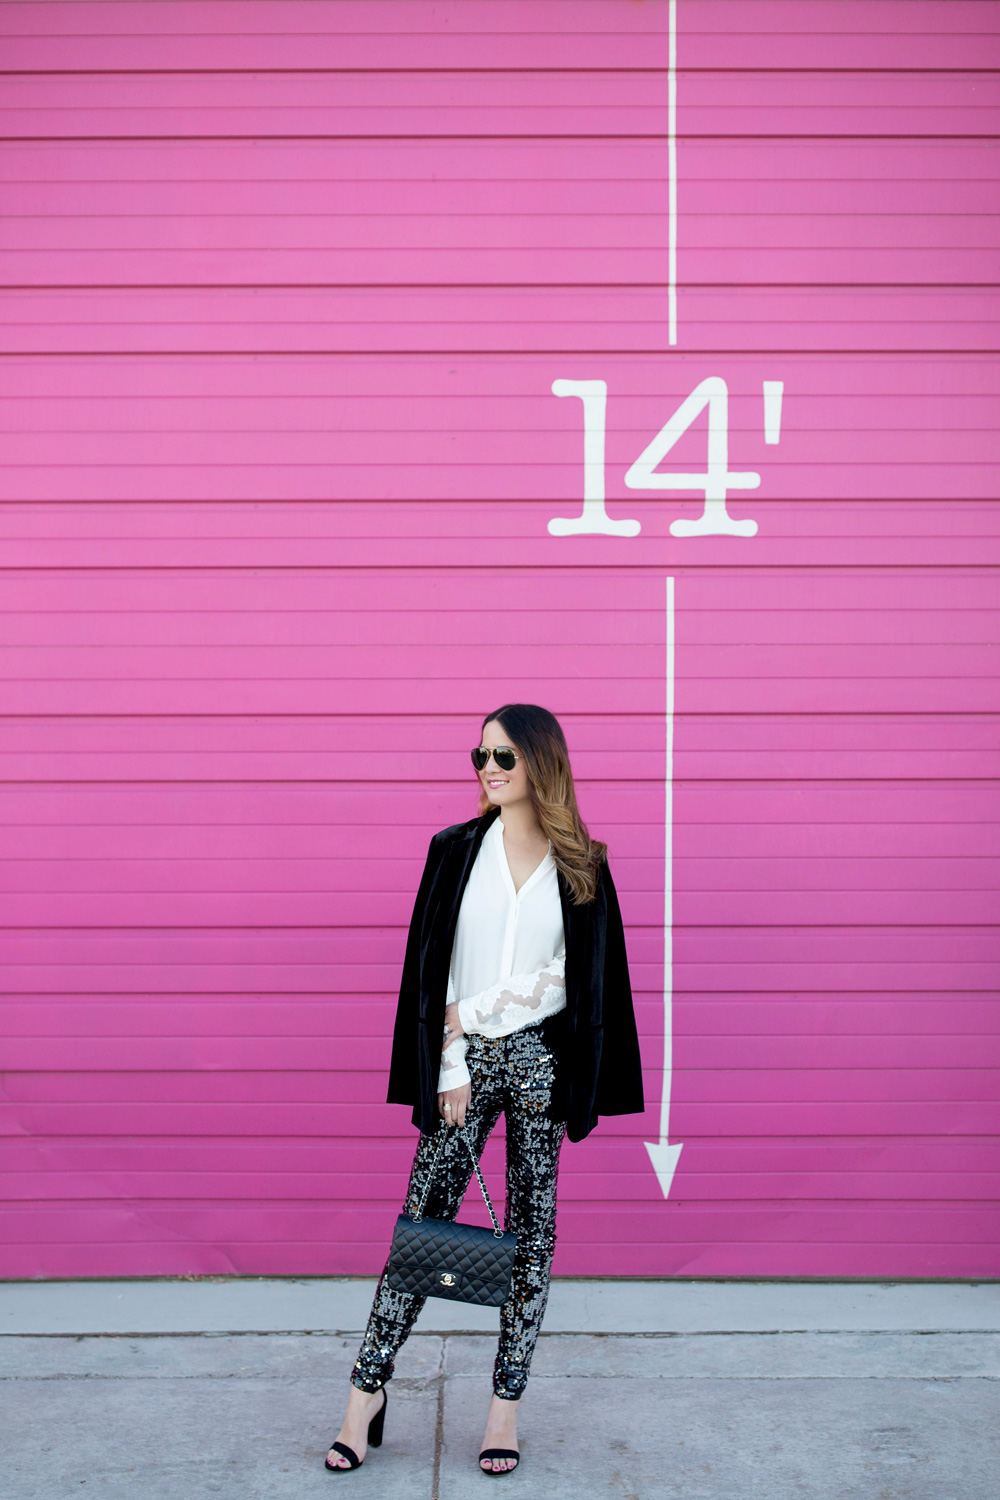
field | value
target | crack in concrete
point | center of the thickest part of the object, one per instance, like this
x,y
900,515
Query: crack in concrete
x,y
442,1376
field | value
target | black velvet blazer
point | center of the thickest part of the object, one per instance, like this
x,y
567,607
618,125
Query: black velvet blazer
x,y
598,1069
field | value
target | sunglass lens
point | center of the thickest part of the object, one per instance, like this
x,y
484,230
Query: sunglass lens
x,y
505,759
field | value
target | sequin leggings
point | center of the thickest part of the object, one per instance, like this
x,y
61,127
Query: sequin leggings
x,y
513,1075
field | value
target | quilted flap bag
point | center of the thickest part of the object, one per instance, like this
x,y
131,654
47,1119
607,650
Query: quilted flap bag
x,y
442,1258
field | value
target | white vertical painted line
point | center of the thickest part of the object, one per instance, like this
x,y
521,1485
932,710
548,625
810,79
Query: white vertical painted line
x,y
662,1154
668,880
672,169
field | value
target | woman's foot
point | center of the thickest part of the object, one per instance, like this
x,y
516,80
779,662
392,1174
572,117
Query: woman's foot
x,y
361,1407
501,1432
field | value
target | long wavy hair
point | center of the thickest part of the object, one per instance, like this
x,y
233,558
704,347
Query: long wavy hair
x,y
538,736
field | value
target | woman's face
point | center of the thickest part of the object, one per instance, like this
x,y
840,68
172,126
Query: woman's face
x,y
502,787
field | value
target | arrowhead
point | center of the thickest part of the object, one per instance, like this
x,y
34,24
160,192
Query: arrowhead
x,y
664,1158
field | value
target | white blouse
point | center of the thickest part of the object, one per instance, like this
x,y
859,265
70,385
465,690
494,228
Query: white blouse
x,y
509,959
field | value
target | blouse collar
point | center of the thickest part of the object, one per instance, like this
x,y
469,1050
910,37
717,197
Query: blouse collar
x,y
495,831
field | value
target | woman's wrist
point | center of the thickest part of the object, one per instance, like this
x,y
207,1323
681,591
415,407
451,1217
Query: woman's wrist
x,y
453,1022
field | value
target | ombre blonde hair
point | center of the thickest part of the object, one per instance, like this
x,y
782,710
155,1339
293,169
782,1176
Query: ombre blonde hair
x,y
538,736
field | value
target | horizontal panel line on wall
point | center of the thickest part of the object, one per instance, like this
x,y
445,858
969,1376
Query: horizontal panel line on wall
x,y
164,22
354,1209
301,663
575,49
635,1207
763,189
369,1070
611,158
981,345
34,782
570,47
835,1013
90,459
388,1144
633,1187
317,630
629,71
107,1022
442,784
981,136
378,924
172,697
71,1056
625,803
468,566
185,719
31,88
419,288
361,220
802,609
517,385
769,569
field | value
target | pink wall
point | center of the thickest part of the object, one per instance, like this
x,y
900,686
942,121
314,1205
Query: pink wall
x,y
279,456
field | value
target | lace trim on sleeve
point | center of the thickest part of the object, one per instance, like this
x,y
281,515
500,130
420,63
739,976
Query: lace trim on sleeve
x,y
521,1000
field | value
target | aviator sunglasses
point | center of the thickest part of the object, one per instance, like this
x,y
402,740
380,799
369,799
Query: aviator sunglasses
x,y
504,756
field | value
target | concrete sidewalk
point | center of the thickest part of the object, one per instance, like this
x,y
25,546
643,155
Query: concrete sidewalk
x,y
641,1390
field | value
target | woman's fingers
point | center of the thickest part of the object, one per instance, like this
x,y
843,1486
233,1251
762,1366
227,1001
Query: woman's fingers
x,y
448,1111
459,1099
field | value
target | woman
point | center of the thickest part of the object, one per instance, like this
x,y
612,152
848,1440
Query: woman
x,y
515,998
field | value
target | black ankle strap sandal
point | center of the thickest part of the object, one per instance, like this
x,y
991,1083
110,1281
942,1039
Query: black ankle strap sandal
x,y
375,1427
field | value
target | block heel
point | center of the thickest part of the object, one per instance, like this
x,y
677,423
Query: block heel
x,y
375,1429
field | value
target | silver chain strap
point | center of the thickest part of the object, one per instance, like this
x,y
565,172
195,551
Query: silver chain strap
x,y
442,1137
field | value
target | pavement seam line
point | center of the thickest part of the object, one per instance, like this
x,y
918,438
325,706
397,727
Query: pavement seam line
x,y
562,1332
439,1422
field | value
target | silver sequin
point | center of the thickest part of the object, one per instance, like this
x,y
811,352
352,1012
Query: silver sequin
x,y
513,1075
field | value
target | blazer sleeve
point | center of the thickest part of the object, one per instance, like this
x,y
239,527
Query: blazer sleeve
x,y
403,1080
619,1077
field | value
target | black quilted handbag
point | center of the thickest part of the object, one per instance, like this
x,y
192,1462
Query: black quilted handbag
x,y
440,1258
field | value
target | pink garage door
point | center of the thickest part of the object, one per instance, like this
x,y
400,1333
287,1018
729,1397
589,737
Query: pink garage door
x,y
290,501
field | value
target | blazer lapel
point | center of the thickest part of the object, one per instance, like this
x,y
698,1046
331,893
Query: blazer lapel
x,y
443,908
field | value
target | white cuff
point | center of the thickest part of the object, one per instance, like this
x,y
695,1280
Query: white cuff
x,y
456,1074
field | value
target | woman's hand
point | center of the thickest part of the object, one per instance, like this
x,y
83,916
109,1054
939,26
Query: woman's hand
x,y
459,1099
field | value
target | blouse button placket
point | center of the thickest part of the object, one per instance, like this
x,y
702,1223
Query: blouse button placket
x,y
510,926
513,901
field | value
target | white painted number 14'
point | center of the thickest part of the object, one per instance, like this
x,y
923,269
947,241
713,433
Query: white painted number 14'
x,y
715,481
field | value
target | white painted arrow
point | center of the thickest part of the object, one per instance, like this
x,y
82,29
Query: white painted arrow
x,y
661,1153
